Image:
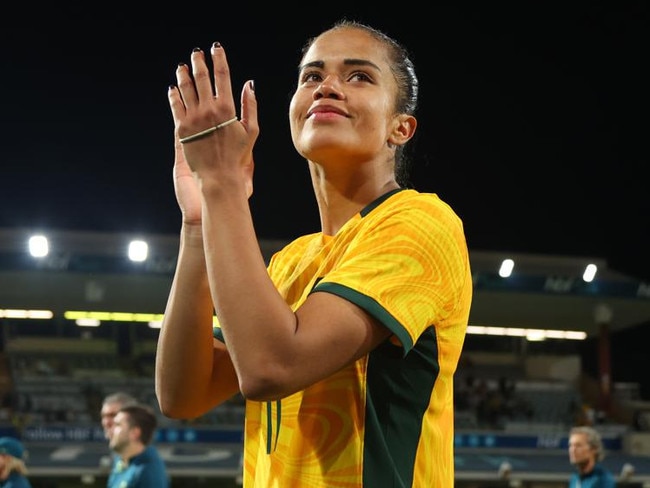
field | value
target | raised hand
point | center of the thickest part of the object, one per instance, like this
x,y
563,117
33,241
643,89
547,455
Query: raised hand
x,y
211,144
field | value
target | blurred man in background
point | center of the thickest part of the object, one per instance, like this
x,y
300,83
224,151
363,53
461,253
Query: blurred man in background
x,y
585,453
138,463
110,406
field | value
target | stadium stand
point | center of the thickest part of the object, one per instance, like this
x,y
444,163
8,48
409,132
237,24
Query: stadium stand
x,y
515,399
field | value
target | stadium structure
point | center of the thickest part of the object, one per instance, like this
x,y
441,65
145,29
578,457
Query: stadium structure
x,y
80,315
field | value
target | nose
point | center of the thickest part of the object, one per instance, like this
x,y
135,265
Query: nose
x,y
330,87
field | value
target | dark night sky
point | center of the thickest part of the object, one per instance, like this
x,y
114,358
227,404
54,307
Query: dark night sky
x,y
532,119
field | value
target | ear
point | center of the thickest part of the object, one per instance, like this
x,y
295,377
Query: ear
x,y
136,433
403,129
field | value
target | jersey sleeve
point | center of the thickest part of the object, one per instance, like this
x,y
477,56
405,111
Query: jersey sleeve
x,y
408,267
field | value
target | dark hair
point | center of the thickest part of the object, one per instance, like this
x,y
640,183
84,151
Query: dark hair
x,y
143,417
403,70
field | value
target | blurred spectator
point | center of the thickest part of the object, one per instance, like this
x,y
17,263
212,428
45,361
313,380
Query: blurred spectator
x,y
586,453
13,472
110,406
139,464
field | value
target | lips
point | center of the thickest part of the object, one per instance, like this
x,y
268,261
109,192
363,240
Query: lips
x,y
326,109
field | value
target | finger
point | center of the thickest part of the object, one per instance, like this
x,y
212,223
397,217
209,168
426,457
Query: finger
x,y
222,82
186,85
201,73
176,105
249,109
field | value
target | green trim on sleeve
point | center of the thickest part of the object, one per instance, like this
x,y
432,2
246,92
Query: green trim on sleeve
x,y
217,333
371,306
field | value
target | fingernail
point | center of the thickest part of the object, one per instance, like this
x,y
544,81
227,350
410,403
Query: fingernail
x,y
216,45
251,85
196,50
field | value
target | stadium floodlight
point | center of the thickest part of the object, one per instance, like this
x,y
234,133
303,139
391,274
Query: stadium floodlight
x,y
590,273
138,250
506,268
38,246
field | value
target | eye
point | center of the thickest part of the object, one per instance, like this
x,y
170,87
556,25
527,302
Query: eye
x,y
311,77
360,76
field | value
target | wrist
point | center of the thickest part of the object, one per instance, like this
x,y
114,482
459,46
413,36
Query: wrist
x,y
192,234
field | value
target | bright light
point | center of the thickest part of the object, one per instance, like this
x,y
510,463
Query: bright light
x,y
87,322
535,335
89,317
590,273
506,268
138,250
155,324
38,246
26,314
529,334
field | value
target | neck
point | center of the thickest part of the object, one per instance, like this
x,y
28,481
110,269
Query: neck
x,y
586,467
339,202
131,452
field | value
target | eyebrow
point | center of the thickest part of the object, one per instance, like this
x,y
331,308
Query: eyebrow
x,y
347,62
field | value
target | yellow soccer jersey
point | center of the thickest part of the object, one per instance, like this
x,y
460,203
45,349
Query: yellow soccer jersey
x,y
387,419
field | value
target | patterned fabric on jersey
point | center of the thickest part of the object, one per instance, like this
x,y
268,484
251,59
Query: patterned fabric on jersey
x,y
387,419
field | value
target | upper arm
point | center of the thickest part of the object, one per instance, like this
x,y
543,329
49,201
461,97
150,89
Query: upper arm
x,y
331,332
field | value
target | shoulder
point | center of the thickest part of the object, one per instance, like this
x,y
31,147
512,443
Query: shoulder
x,y
604,473
422,218
150,454
416,208
303,242
409,198
297,248
17,481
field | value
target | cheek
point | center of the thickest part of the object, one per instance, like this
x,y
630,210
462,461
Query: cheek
x,y
295,111
296,118
379,115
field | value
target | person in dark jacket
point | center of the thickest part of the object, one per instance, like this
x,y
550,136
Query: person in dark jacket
x,y
13,471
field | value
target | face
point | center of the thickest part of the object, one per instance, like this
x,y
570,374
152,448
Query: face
x,y
109,411
344,103
580,452
121,433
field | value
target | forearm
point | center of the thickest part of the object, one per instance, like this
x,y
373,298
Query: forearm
x,y
184,358
257,324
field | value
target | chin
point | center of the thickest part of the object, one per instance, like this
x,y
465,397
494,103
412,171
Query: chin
x,y
321,141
